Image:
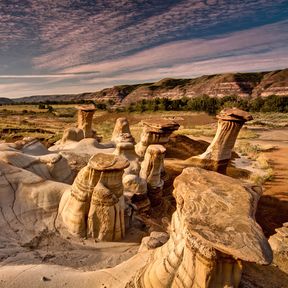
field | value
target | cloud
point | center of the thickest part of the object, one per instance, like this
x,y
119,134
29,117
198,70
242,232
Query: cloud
x,y
75,45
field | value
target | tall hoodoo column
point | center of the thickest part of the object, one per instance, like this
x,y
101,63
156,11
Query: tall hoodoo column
x,y
212,231
85,117
75,210
151,169
121,132
156,131
218,153
106,213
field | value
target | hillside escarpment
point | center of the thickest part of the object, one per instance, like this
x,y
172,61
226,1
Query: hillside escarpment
x,y
261,84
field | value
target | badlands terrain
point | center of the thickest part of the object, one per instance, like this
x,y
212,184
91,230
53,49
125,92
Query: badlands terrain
x,y
162,199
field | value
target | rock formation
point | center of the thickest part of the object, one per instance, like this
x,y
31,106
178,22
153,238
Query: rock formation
x,y
28,203
135,192
84,126
218,153
212,231
151,169
127,150
106,213
279,245
95,205
121,132
49,167
85,117
155,132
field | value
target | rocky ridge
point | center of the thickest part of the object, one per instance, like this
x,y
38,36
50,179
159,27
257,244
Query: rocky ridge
x,y
261,84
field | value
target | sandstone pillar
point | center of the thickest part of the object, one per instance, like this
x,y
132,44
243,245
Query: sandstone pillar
x,y
151,169
85,117
121,132
218,153
106,213
75,211
156,131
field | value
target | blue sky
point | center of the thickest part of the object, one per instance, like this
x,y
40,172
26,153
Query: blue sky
x,y
72,46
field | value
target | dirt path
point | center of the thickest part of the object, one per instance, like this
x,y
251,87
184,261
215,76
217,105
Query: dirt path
x,y
273,205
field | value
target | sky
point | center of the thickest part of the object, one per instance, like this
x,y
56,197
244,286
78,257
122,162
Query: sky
x,y
73,46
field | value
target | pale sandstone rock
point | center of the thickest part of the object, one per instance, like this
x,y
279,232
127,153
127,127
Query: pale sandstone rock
x,y
85,117
279,245
121,132
155,132
84,126
151,169
93,195
28,203
212,230
135,191
106,214
127,150
49,167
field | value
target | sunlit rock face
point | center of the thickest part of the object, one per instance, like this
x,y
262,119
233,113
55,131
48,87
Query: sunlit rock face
x,y
84,126
49,167
28,203
213,229
218,153
121,132
155,132
95,205
127,150
151,169
135,192
279,244
85,117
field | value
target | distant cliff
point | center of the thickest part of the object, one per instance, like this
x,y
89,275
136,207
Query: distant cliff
x,y
260,84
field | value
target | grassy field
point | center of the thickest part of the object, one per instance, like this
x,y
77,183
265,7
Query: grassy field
x,y
19,121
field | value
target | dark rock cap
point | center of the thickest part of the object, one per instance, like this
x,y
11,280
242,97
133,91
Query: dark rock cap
x,y
104,162
234,114
86,108
160,124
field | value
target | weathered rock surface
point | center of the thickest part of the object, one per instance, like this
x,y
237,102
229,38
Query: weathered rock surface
x,y
28,203
84,126
49,167
155,132
95,205
279,245
151,169
212,230
121,132
219,152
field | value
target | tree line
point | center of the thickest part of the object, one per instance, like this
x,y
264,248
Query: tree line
x,y
211,105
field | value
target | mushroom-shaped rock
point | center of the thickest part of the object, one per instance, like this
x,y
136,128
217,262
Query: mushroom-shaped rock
x,y
218,153
106,214
85,117
75,204
212,230
156,131
84,126
151,169
121,132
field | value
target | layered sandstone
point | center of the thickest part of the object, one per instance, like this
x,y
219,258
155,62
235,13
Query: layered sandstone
x,y
151,169
95,205
155,131
218,153
212,231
